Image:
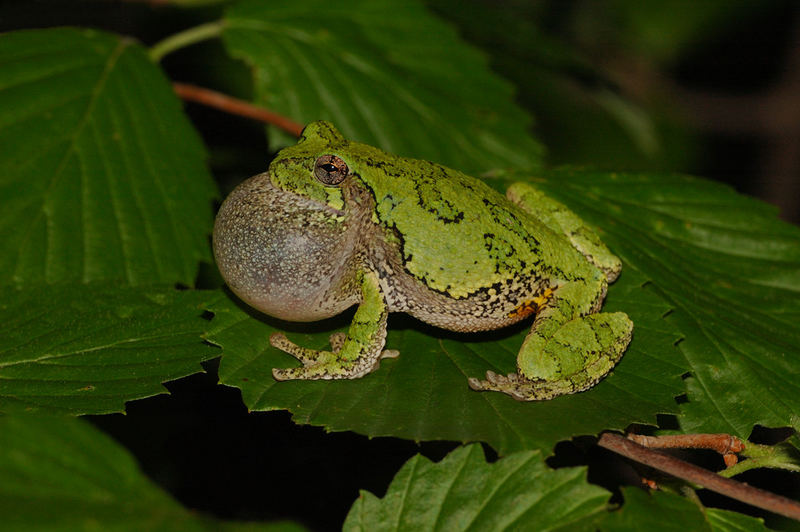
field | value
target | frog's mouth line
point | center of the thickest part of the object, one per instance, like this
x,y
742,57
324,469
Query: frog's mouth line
x,y
305,200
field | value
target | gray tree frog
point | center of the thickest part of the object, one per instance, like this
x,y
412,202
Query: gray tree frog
x,y
336,223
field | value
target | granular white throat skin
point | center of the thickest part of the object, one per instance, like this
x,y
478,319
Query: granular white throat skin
x,y
282,256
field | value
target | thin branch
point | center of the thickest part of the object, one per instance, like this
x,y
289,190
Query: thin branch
x,y
235,106
724,444
709,480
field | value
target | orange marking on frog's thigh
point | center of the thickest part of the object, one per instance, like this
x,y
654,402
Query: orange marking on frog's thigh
x,y
531,307
544,298
525,309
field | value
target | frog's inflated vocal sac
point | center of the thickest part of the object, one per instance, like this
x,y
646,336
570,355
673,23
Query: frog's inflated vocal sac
x,y
335,223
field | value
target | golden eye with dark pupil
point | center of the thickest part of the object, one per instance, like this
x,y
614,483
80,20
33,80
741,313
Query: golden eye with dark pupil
x,y
330,170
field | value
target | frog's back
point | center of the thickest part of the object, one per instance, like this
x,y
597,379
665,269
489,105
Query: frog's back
x,y
462,240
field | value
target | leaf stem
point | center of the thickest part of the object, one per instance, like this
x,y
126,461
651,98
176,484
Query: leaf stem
x,y
707,479
781,456
185,38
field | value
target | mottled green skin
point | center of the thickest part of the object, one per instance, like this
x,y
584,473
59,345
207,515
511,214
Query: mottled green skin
x,y
404,235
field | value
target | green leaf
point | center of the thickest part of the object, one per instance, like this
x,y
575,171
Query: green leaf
x,y
661,31
101,175
727,521
365,64
731,271
463,492
660,511
86,349
58,473
423,394
580,118
277,526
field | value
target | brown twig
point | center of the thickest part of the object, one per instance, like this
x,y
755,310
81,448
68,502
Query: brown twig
x,y
724,444
235,106
709,480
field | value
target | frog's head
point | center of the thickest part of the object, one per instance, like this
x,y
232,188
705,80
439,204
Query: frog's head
x,y
310,168
280,240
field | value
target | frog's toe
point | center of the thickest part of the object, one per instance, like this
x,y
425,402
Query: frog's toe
x,y
390,353
475,384
493,382
517,386
303,354
479,385
311,372
279,341
284,374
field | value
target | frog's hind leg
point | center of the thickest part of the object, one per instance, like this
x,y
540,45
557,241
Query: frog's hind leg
x,y
560,219
568,349
352,355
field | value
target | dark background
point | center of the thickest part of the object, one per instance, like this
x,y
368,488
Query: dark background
x,y
721,100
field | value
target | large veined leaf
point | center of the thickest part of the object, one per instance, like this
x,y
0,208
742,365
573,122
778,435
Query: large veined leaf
x,y
101,175
730,269
85,349
463,492
423,394
660,511
681,238
58,473
365,64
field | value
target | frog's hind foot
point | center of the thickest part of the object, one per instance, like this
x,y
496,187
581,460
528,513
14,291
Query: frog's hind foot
x,y
521,388
580,354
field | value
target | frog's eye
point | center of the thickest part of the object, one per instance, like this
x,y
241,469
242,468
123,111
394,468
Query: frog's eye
x,y
330,170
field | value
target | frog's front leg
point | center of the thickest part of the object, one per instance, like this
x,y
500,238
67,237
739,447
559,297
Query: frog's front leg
x,y
352,355
568,349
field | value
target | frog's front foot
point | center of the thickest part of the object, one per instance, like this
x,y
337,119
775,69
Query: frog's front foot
x,y
316,364
520,387
322,364
306,356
